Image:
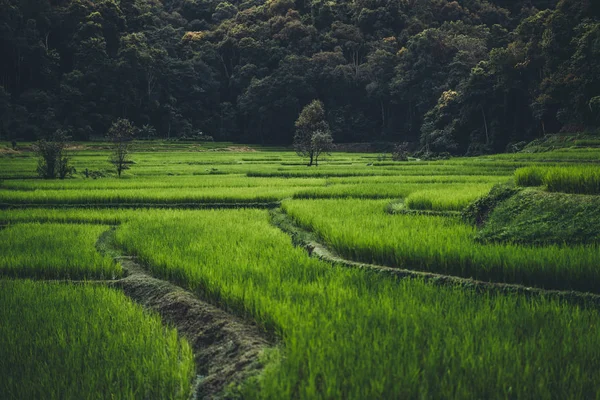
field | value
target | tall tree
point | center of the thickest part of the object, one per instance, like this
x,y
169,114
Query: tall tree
x,y
313,136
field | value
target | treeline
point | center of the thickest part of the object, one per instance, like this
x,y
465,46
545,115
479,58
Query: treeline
x,y
466,76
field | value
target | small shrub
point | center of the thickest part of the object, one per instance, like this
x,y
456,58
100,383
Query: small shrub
x,y
400,152
53,163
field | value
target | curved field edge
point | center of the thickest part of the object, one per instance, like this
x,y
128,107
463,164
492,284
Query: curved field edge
x,y
82,340
312,244
412,337
441,245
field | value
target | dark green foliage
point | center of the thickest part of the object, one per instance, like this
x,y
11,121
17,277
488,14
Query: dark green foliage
x,y
53,162
465,76
536,217
400,152
478,212
313,136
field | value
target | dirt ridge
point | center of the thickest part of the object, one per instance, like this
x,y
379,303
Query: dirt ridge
x,y
226,348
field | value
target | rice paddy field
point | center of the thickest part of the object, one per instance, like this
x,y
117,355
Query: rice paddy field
x,y
201,217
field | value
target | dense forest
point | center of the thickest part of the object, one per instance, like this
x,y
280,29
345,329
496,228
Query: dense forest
x,y
465,76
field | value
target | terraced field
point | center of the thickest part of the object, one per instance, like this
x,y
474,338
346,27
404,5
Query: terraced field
x,y
255,276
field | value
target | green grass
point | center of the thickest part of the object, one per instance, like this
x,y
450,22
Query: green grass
x,y
146,196
530,176
174,182
571,179
582,180
106,216
355,335
443,245
360,190
54,251
453,198
60,341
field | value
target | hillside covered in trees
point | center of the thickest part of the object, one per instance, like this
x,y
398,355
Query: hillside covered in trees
x,y
465,76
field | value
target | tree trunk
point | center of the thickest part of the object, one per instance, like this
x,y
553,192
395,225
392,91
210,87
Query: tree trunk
x,y
382,117
487,134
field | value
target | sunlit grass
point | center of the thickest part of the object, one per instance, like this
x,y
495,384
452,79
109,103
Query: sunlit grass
x,y
54,251
172,196
571,179
453,198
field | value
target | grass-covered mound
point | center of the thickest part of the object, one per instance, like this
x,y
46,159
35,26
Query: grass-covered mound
x,y
536,217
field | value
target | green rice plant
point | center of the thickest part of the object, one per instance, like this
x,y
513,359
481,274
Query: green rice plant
x,y
449,198
361,191
147,196
352,334
530,176
60,341
587,142
178,182
445,196
580,180
103,216
591,155
442,245
404,179
54,251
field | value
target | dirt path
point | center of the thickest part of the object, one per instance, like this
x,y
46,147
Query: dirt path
x,y
226,348
309,240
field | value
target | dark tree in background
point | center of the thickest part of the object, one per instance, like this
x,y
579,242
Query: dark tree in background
x,y
53,162
313,136
121,134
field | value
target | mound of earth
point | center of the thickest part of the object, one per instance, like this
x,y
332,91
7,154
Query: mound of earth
x,y
540,218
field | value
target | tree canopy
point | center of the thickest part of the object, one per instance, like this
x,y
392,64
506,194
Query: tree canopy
x,y
313,136
465,76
